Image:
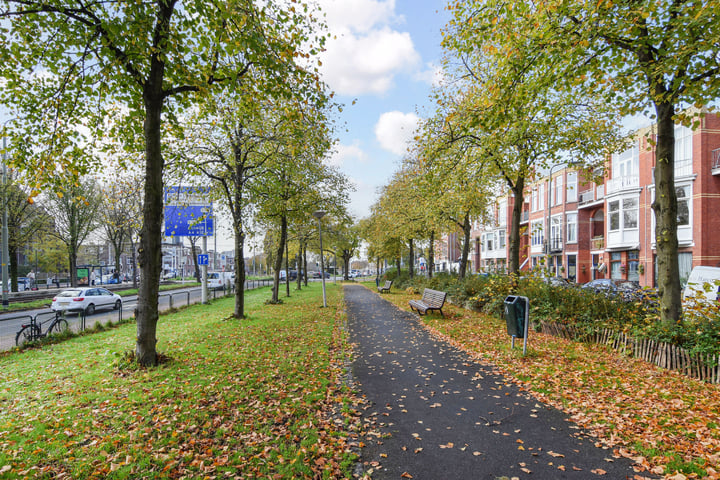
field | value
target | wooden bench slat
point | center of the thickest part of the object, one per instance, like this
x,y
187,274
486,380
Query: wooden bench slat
x,y
431,300
386,287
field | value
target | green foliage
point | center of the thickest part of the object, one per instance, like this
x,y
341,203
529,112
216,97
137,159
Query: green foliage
x,y
588,311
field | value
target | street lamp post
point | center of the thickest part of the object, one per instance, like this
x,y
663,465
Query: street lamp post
x,y
319,214
5,256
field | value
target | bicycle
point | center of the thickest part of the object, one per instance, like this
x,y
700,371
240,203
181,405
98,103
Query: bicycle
x,y
32,331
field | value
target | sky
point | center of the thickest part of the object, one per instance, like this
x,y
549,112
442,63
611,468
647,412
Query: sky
x,y
384,56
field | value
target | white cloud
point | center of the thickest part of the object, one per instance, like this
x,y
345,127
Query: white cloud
x,y
432,75
394,130
358,15
365,52
347,154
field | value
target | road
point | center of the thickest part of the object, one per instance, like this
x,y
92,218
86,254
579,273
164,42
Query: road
x,y
10,323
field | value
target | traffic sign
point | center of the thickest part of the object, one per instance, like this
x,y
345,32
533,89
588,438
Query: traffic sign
x,y
203,259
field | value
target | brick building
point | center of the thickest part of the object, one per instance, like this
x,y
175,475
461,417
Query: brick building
x,y
583,230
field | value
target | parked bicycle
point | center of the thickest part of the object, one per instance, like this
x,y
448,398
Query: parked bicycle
x,y
32,331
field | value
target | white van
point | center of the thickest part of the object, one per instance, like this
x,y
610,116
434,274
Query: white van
x,y
703,285
218,280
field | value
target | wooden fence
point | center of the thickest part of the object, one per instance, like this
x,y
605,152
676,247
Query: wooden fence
x,y
664,355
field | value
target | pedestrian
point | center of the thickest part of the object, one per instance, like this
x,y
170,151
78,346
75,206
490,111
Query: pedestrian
x,y
92,277
48,281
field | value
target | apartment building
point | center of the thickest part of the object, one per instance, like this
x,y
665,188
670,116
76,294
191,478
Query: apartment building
x,y
586,225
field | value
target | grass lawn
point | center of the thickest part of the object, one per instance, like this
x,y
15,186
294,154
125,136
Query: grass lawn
x,y
667,422
259,397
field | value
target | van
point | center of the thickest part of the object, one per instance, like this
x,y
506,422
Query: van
x,y
703,285
219,280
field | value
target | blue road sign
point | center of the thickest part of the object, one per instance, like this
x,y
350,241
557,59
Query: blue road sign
x,y
188,212
203,259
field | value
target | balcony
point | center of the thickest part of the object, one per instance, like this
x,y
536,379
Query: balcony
x,y
626,182
596,193
598,243
556,244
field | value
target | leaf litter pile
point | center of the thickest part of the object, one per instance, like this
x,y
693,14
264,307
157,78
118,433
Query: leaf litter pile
x,y
259,398
666,422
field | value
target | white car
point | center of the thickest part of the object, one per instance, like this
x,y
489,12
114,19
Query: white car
x,y
87,299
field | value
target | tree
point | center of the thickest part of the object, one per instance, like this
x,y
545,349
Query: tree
x,y
509,107
120,214
153,58
660,54
26,221
75,210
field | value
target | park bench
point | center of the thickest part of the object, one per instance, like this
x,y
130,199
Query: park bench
x,y
431,300
386,287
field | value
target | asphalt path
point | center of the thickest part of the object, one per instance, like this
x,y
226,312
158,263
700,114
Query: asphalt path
x,y
437,414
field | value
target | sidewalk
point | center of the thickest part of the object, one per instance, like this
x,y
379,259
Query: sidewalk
x,y
439,415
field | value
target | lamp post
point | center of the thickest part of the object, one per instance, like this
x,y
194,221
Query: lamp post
x,y
5,256
319,214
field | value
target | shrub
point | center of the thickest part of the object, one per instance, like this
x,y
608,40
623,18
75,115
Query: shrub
x,y
588,311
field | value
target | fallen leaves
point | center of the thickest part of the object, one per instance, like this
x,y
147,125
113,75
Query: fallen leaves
x,y
623,401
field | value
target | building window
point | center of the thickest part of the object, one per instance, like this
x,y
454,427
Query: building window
x,y
685,266
633,262
572,191
572,267
537,233
623,214
571,221
557,190
627,163
614,215
556,232
615,272
683,145
534,200
541,196
683,205
502,213
501,239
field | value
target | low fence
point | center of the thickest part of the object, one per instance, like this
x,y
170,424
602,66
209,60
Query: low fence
x,y
11,325
662,354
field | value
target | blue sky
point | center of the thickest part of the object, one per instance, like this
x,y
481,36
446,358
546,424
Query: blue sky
x,y
385,57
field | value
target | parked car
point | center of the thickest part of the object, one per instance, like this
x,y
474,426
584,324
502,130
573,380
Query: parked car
x,y
602,285
284,275
703,285
556,281
87,299
220,280
318,275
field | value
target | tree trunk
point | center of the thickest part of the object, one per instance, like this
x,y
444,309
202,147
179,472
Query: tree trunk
x,y
12,253
665,208
431,255
514,241
411,259
195,258
239,311
278,260
72,258
150,249
466,246
134,262
304,262
298,261
397,263
287,267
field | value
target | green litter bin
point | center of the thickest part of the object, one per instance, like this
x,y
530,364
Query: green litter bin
x,y
516,312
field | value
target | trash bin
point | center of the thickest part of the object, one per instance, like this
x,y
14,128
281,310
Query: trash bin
x,y
515,311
